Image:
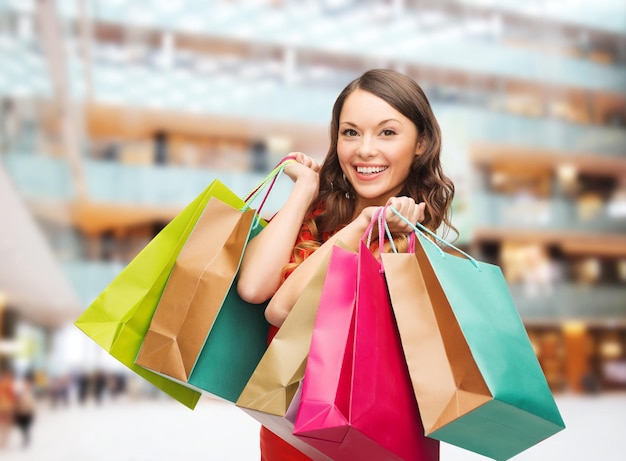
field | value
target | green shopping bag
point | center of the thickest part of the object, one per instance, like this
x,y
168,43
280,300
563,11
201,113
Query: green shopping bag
x,y
118,318
475,374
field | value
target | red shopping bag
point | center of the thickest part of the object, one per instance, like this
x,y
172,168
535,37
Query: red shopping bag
x,y
357,400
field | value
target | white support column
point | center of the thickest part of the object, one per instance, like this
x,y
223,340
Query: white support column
x,y
67,109
86,38
168,48
290,64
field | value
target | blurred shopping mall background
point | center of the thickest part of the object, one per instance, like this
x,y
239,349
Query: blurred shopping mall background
x,y
116,113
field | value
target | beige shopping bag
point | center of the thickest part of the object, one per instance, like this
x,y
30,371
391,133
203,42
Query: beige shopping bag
x,y
270,391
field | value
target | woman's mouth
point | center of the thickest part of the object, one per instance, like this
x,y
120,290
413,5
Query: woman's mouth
x,y
368,170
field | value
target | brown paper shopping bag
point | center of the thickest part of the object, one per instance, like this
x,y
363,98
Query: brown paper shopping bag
x,y
203,333
270,392
202,277
477,380
432,340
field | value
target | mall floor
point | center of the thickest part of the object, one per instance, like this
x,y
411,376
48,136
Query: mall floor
x,y
160,429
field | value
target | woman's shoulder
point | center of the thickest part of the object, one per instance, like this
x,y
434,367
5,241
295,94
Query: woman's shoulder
x,y
306,231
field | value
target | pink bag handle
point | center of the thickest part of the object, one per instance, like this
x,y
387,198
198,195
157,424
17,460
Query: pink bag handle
x,y
411,243
383,229
269,179
367,235
379,217
272,175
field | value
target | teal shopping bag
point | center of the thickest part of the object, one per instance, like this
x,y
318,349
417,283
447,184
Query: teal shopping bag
x,y
233,347
475,374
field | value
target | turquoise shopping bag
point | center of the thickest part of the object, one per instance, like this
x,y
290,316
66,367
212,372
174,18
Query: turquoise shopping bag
x,y
475,374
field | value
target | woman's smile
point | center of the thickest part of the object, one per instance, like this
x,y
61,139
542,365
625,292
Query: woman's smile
x,y
369,170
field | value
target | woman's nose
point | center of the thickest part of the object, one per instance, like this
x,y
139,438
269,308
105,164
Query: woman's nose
x,y
367,147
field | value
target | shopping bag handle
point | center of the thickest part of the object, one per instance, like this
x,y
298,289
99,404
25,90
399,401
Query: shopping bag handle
x,y
418,229
367,235
378,217
421,230
271,176
383,229
270,180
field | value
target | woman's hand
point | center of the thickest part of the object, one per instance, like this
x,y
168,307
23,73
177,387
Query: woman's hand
x,y
304,173
406,206
303,166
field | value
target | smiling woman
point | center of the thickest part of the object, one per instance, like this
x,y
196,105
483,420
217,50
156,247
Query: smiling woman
x,y
385,150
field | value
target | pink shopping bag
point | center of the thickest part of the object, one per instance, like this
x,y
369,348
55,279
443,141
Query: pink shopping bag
x,y
357,400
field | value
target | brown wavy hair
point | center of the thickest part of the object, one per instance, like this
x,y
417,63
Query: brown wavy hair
x,y
426,181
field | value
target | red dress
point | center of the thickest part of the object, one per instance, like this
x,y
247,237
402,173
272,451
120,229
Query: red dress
x,y
273,448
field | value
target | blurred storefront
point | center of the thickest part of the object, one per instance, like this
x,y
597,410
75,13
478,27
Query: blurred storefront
x,y
118,113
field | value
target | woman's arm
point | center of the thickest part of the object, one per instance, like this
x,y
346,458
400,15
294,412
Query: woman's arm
x,y
265,256
288,293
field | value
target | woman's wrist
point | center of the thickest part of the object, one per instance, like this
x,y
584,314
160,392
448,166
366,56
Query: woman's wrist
x,y
307,186
365,218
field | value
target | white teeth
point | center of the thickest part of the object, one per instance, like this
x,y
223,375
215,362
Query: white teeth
x,y
370,169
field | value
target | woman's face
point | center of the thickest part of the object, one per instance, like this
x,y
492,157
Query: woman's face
x,y
376,145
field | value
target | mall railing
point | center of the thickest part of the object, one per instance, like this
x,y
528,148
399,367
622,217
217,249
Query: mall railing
x,y
501,211
310,27
571,301
604,16
231,97
40,176
463,118
556,302
264,100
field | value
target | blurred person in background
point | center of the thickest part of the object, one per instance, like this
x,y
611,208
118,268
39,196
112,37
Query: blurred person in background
x,y
7,404
385,150
25,407
59,390
83,384
100,385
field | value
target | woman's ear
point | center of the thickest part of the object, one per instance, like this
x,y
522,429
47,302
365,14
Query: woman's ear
x,y
421,146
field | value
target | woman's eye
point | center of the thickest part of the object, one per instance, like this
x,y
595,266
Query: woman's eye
x,y
388,132
349,132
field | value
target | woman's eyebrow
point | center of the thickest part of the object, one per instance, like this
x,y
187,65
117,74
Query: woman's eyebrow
x,y
382,122
389,120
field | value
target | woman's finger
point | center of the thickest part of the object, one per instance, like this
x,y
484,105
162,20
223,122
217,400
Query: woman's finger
x,y
408,209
